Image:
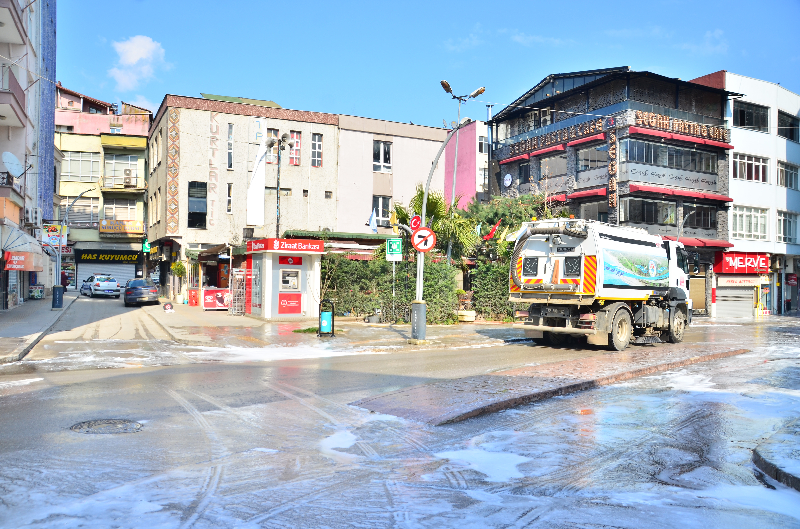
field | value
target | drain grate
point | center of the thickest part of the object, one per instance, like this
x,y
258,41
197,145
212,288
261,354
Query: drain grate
x,y
107,426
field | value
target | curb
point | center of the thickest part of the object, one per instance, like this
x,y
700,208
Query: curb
x,y
16,357
762,462
170,333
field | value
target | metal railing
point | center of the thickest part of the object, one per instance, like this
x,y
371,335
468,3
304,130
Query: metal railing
x,y
119,181
7,180
9,83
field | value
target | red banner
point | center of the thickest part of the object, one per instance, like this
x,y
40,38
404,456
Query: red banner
x,y
791,280
286,245
289,303
741,263
248,285
216,298
25,261
290,260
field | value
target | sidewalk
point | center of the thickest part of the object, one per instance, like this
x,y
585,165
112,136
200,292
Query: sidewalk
x,y
22,327
779,456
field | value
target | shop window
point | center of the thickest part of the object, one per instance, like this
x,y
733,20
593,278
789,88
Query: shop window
x,y
672,156
595,211
787,227
787,175
593,158
294,152
80,167
290,280
382,207
382,156
316,150
119,209
700,216
524,173
328,194
554,166
752,168
272,153
194,275
646,211
749,223
197,205
749,116
230,145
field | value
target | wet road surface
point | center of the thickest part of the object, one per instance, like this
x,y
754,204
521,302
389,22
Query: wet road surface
x,y
230,439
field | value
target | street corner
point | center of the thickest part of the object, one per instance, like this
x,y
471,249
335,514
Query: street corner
x,y
779,456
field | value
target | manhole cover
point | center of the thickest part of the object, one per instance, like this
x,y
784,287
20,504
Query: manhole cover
x,y
107,426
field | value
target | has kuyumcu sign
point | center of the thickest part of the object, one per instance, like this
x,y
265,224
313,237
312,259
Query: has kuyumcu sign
x,y
741,263
286,245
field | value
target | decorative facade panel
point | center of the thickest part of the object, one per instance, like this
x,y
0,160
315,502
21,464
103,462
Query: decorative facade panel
x,y
173,171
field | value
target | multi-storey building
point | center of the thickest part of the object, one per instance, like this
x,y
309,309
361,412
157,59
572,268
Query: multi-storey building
x,y
27,67
104,154
472,170
626,147
765,130
204,200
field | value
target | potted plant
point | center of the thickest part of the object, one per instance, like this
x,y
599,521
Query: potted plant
x,y
179,270
465,312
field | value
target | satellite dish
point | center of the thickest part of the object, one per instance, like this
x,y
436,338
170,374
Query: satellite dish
x,y
13,165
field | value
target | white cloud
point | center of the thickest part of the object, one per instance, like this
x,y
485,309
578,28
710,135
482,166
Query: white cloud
x,y
528,40
712,44
141,101
464,43
139,58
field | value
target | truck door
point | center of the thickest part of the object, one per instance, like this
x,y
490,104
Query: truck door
x,y
678,267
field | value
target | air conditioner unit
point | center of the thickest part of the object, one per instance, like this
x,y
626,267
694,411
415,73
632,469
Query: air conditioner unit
x,y
28,215
128,181
37,216
127,172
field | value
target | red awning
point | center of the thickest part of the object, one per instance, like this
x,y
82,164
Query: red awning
x,y
718,243
718,144
588,193
690,139
650,132
515,158
558,198
596,137
700,243
678,192
549,149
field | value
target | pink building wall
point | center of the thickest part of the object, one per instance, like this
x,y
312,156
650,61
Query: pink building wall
x,y
85,123
467,165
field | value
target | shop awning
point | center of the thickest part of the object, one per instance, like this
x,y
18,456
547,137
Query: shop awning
x,y
678,192
588,193
558,198
15,240
651,132
549,149
596,137
700,243
515,158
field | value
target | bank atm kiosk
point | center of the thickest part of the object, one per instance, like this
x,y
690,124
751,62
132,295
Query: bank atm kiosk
x,y
282,278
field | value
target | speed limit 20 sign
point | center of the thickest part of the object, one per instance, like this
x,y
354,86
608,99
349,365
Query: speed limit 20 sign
x,y
423,240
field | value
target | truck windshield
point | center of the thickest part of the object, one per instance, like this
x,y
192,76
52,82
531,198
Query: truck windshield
x,y
683,260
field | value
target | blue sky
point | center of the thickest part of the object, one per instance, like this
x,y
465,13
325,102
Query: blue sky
x,y
385,59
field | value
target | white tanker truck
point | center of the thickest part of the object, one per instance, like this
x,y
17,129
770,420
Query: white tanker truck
x,y
612,284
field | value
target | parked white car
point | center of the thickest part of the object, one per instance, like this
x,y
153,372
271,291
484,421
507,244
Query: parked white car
x,y
100,285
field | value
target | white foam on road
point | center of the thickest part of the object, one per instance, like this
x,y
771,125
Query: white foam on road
x,y
496,466
341,439
14,383
268,354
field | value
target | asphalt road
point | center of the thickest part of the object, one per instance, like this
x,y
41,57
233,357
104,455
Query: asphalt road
x,y
224,442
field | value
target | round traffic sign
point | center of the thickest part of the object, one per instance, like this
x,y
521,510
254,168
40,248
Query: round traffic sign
x,y
415,222
423,240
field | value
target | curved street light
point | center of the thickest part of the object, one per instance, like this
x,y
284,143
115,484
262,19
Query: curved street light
x,y
56,305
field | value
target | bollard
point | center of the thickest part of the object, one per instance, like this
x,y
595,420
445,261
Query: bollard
x,y
418,316
58,297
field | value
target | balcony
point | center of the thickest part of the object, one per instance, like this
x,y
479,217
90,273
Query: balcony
x,y
12,99
123,184
11,188
13,30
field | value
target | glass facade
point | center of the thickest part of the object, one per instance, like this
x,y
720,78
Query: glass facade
x,y
671,156
645,211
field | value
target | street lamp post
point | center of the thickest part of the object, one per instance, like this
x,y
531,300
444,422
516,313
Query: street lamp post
x,y
282,142
58,303
461,99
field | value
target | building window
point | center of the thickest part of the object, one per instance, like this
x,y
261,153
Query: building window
x,y
595,211
524,173
483,145
294,152
382,207
272,154
230,198
285,191
751,168
788,126
119,209
554,166
85,210
116,130
593,158
316,150
700,216
70,103
197,205
484,175
305,193
158,205
749,223
80,167
787,227
328,194
664,155
121,169
787,175
64,128
230,145
646,211
382,156
749,116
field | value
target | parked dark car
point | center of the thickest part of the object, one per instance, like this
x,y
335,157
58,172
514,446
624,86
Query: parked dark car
x,y
140,291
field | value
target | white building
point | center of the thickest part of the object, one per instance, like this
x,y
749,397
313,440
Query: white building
x,y
761,269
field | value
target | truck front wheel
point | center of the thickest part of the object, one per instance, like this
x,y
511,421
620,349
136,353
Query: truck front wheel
x,y
620,335
678,327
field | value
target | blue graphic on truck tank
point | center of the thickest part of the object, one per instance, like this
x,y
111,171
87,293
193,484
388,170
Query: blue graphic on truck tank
x,y
631,269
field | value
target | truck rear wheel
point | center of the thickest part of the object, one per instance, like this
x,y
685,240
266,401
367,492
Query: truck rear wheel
x,y
678,327
620,335
555,338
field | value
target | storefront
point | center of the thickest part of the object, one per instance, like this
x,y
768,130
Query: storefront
x,y
743,284
21,260
122,265
282,280
209,277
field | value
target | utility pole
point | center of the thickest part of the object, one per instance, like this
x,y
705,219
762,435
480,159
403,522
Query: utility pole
x,y
282,142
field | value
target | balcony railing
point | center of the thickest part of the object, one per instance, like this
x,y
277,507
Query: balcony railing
x,y
7,180
9,83
121,181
